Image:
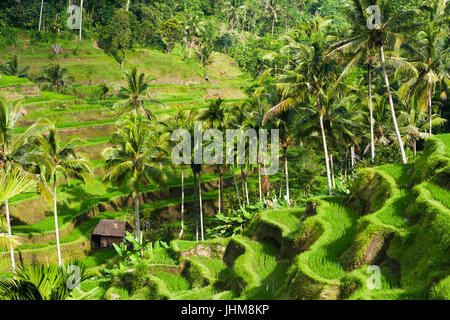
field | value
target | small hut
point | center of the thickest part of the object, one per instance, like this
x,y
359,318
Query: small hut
x,y
108,232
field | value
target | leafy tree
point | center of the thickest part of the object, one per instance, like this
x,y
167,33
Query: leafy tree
x,y
172,32
116,38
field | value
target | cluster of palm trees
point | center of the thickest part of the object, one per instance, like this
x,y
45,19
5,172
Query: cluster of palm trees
x,y
37,157
312,81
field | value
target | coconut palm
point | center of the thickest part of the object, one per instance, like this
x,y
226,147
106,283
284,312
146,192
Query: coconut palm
x,y
233,12
55,156
216,118
389,32
54,77
12,67
271,11
134,96
136,158
14,149
307,73
428,51
181,120
12,183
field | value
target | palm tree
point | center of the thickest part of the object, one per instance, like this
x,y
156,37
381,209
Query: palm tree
x,y
307,73
135,95
428,54
272,9
13,152
389,32
256,106
54,157
54,77
40,283
216,118
233,12
181,119
135,158
12,183
12,68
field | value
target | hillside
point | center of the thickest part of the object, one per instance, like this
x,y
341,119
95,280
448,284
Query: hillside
x,y
396,217
84,114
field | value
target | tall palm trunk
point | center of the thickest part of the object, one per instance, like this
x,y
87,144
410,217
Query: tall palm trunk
x,y
236,186
324,141
353,156
201,204
372,139
220,188
259,180
332,171
391,103
55,212
195,199
430,110
81,18
40,16
137,222
286,173
273,25
8,222
128,5
182,202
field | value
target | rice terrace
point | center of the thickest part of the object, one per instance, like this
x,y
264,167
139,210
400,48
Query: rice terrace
x,y
224,150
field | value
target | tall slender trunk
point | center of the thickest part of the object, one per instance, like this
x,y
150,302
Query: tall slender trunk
x,y
332,171
128,5
324,141
286,173
415,147
246,186
55,212
8,222
353,156
372,138
195,199
182,202
236,186
391,103
242,182
137,222
259,181
81,18
201,204
430,110
40,16
221,190
273,25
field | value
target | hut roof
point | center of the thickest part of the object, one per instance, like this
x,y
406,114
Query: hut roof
x,y
111,228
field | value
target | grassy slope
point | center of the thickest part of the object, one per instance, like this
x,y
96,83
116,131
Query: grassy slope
x,y
177,81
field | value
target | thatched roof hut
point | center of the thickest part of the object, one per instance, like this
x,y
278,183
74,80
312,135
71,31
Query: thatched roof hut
x,y
108,232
